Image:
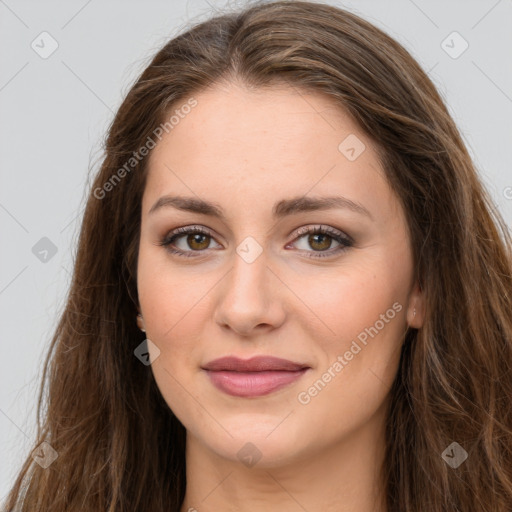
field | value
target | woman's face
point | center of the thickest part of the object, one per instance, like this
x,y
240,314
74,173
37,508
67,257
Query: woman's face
x,y
254,171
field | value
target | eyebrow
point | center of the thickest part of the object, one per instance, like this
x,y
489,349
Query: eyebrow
x,y
281,209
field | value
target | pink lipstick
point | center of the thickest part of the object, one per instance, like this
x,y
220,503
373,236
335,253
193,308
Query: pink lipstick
x,y
258,376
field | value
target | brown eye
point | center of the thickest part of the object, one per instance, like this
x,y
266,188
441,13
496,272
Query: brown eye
x,y
320,241
198,241
188,241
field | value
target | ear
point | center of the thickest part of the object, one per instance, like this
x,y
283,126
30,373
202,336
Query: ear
x,y
140,323
416,302
140,320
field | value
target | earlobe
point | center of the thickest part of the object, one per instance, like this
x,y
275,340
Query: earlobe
x,y
140,323
416,309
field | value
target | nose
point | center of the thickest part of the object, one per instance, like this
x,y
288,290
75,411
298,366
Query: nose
x,y
250,298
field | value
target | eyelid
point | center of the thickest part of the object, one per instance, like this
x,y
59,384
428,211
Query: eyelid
x,y
312,228
340,237
172,235
345,241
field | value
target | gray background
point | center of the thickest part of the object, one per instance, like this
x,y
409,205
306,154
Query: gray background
x,y
54,113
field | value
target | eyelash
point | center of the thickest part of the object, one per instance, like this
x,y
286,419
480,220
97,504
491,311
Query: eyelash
x,y
345,241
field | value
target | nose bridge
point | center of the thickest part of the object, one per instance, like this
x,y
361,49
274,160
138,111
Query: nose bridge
x,y
248,296
249,275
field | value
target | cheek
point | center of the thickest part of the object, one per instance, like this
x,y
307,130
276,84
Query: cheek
x,y
175,302
354,296
364,309
357,370
174,314
170,297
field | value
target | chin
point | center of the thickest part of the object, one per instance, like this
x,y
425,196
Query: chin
x,y
257,442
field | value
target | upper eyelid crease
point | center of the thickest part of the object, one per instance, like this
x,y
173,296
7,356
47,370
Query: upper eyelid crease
x,y
281,209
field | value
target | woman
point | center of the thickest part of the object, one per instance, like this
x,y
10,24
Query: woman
x,y
291,290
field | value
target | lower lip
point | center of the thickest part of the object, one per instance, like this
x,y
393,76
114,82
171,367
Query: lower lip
x,y
251,384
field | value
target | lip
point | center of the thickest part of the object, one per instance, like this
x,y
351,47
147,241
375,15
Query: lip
x,y
258,376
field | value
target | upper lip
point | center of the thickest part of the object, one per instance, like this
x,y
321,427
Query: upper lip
x,y
254,364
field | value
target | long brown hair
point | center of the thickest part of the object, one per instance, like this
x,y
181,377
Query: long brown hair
x,y
120,448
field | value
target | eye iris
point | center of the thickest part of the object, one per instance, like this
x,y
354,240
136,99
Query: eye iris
x,y
325,241
195,238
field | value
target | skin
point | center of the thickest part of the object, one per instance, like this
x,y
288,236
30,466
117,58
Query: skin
x,y
245,150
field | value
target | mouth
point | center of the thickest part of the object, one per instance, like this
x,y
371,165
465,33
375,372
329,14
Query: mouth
x,y
253,377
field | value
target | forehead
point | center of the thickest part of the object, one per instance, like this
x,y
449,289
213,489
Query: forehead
x,y
283,117
263,143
